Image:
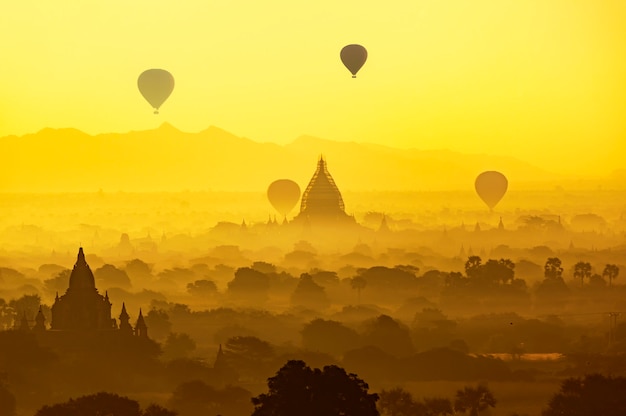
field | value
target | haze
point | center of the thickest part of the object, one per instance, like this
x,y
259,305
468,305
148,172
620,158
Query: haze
x,y
541,81
445,234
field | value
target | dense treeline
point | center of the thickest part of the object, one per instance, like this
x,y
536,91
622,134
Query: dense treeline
x,y
390,325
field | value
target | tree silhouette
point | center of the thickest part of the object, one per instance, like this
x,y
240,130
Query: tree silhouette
x,y
498,271
582,270
331,337
98,404
263,267
296,389
28,304
494,275
399,402
389,335
596,280
474,399
553,269
249,284
249,347
156,410
472,266
610,271
456,280
58,283
552,291
159,323
309,294
110,276
139,271
202,287
178,345
593,395
387,282
358,283
249,356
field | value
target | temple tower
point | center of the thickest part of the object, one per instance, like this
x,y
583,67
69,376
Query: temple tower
x,y
141,330
321,200
81,308
125,326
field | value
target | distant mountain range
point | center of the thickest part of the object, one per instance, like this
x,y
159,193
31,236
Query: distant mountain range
x,y
167,159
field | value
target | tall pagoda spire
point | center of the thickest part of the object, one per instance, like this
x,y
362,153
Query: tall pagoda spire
x,y
125,321
81,276
80,259
141,330
384,226
220,360
322,194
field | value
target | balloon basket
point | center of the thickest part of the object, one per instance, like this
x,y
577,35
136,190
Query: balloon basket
x,y
353,76
156,111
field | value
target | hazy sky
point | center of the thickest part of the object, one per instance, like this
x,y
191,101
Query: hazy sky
x,y
542,80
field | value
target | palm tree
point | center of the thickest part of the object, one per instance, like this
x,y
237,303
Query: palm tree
x,y
474,399
399,402
610,271
582,270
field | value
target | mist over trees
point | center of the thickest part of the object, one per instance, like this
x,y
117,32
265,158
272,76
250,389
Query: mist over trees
x,y
418,312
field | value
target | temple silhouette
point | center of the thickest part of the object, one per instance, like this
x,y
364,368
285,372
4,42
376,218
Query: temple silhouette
x,y
83,309
321,200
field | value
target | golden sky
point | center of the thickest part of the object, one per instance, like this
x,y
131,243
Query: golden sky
x,y
542,80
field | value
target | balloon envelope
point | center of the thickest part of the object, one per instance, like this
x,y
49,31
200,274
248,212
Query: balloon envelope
x,y
155,85
491,187
353,57
283,194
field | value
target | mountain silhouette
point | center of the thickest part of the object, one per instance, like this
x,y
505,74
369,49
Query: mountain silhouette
x,y
167,159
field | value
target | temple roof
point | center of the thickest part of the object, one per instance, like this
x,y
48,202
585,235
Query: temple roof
x,y
140,321
322,195
81,276
124,314
220,360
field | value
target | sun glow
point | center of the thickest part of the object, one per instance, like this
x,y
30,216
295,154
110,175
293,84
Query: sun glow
x,y
542,81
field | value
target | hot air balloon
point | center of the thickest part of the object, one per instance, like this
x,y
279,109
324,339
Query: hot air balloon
x,y
155,85
491,187
353,57
283,194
